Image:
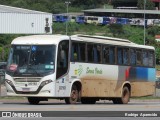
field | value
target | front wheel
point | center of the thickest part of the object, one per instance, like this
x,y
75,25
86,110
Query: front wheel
x,y
74,96
33,100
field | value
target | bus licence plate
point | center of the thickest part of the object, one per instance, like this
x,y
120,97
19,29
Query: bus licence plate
x,y
25,89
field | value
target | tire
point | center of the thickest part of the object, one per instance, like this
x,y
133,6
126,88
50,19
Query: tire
x,y
33,100
124,98
125,95
74,96
88,101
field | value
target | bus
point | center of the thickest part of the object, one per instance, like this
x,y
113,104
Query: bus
x,y
104,20
92,19
60,18
79,68
80,19
122,21
73,18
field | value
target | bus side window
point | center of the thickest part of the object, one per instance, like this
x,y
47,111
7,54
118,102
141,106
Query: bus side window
x,y
139,57
97,53
145,58
112,55
105,54
120,56
82,52
62,59
78,52
90,53
74,52
125,56
132,57
151,59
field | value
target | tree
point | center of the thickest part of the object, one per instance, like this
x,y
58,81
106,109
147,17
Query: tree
x,y
116,29
148,6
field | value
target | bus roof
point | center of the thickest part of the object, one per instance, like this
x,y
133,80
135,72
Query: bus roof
x,y
108,40
39,39
55,39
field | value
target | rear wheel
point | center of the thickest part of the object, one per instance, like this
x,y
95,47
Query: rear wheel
x,y
33,100
125,97
73,96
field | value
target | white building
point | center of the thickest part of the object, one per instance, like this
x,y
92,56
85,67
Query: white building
x,y
23,21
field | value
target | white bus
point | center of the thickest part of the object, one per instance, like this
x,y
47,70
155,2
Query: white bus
x,y
79,68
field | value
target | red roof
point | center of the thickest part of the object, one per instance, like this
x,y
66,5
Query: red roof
x,y
157,36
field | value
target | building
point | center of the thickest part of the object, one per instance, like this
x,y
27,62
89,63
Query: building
x,y
15,20
131,3
157,3
126,13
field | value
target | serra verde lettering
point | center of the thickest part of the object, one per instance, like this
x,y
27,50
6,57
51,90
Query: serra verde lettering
x,y
93,71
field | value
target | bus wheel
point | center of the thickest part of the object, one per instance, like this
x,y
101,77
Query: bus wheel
x,y
73,96
33,100
125,97
88,101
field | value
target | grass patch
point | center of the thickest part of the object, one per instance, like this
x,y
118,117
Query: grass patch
x,y
12,98
146,98
158,67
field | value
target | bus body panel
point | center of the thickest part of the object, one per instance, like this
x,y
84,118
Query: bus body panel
x,y
97,80
142,88
63,87
100,80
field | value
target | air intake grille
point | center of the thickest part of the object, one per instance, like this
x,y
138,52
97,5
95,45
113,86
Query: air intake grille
x,y
26,79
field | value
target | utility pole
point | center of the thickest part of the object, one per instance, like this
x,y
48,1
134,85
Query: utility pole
x,y
144,22
67,4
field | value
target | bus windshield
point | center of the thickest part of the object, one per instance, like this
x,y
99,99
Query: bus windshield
x,y
31,60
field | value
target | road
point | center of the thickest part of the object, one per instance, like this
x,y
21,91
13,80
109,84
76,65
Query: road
x,y
52,106
21,105
55,105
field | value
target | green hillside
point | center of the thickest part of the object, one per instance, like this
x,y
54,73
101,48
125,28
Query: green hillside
x,y
133,33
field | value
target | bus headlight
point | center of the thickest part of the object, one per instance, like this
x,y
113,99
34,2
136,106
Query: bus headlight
x,y
45,82
9,82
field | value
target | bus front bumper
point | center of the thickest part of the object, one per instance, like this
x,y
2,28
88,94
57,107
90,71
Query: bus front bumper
x,y
42,90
